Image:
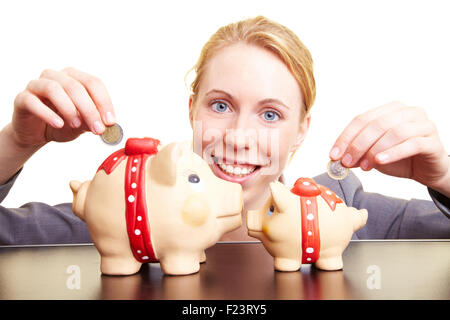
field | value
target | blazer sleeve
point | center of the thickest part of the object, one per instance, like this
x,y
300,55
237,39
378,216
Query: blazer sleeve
x,y
391,218
39,223
4,188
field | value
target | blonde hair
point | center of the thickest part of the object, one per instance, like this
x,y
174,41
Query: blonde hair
x,y
270,35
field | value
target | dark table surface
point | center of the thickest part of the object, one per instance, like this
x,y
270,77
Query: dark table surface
x,y
237,270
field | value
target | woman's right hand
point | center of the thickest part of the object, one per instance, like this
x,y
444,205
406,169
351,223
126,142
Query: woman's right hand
x,y
59,106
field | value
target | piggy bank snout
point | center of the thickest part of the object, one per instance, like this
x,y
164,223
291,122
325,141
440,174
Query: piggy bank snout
x,y
232,199
255,217
254,220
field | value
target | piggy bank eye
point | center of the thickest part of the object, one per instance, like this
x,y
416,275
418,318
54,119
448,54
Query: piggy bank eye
x,y
195,183
271,210
193,178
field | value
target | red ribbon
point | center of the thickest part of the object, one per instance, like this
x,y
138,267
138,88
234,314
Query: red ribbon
x,y
308,191
138,227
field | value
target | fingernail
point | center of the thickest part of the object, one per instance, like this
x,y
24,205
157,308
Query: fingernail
x,y
365,164
334,152
347,160
110,118
76,122
58,123
98,127
382,157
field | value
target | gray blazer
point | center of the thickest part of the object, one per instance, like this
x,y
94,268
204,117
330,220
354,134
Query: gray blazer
x,y
389,218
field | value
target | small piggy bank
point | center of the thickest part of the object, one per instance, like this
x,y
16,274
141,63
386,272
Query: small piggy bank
x,y
307,224
150,205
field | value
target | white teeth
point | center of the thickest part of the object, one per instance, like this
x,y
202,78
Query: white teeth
x,y
235,170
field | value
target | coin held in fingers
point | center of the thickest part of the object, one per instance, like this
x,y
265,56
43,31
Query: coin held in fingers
x,y
336,170
112,135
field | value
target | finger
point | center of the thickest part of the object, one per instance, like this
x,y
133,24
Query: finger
x,y
53,91
26,101
406,149
374,130
80,98
356,125
98,93
396,136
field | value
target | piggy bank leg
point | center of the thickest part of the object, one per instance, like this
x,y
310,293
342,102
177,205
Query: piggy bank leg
x,y
119,265
180,264
330,263
286,264
203,257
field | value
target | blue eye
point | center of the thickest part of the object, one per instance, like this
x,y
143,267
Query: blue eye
x,y
271,116
271,210
220,107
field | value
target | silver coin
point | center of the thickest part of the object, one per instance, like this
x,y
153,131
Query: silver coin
x,y
112,135
336,170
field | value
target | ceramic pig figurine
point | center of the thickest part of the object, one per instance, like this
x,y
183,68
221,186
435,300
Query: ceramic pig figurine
x,y
150,205
307,224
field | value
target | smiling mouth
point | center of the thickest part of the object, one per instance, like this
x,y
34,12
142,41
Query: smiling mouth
x,y
234,170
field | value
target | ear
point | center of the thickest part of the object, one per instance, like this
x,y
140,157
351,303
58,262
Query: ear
x,y
303,130
163,168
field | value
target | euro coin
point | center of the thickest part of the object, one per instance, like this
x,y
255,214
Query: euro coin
x,y
112,135
336,170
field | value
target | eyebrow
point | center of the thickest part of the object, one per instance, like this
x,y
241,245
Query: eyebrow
x,y
264,101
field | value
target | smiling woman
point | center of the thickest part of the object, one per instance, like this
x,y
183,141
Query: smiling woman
x,y
250,100
247,74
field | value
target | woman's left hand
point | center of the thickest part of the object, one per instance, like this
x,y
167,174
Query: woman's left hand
x,y
396,140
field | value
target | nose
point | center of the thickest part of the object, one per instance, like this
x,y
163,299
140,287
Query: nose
x,y
241,136
241,139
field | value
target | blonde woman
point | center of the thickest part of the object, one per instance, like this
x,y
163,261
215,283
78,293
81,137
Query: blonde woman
x,y
250,111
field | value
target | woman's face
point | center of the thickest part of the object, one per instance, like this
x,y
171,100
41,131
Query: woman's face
x,y
246,118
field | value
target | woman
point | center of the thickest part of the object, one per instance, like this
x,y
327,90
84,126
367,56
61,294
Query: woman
x,y
249,111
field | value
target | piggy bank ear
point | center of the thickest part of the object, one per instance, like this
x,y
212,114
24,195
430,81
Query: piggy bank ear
x,y
281,196
163,167
188,145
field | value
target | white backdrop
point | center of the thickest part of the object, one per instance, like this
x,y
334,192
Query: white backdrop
x,y
366,54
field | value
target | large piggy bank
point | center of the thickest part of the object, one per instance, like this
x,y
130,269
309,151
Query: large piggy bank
x,y
307,224
145,205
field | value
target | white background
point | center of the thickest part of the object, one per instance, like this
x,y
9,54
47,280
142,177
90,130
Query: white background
x,y
366,54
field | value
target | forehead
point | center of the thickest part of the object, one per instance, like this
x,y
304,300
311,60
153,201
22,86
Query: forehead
x,y
251,72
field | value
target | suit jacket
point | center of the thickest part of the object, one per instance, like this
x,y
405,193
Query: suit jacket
x,y
389,218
